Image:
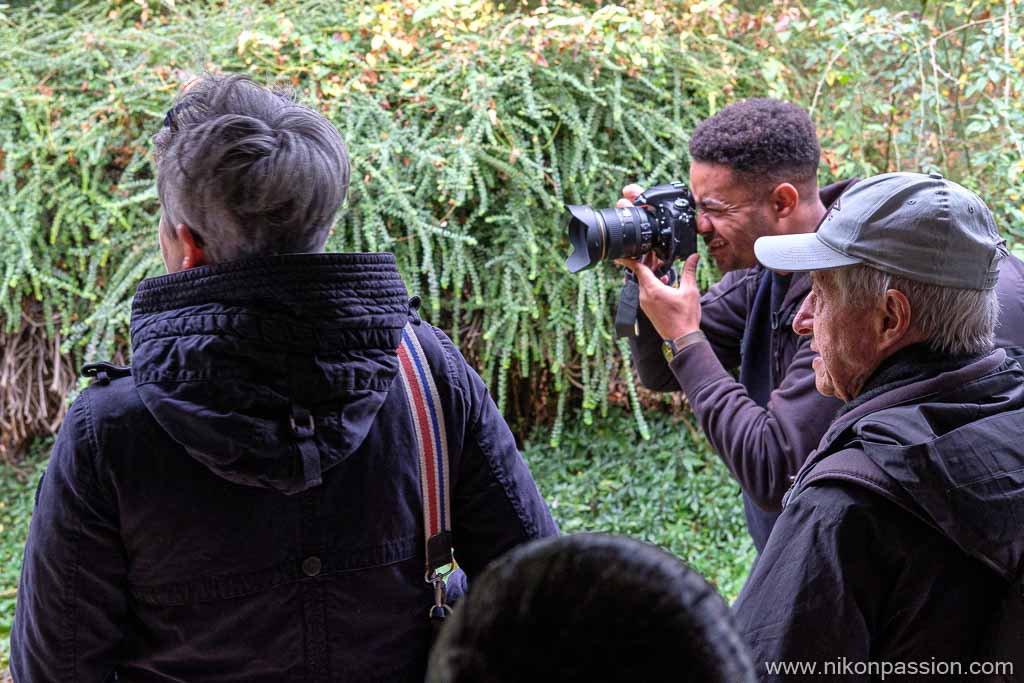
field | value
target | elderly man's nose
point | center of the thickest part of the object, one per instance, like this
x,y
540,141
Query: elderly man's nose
x,y
803,323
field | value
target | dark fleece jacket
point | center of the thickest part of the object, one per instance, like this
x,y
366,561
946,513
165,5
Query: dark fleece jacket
x,y
905,555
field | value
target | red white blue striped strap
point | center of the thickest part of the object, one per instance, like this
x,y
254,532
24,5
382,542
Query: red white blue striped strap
x,y
432,444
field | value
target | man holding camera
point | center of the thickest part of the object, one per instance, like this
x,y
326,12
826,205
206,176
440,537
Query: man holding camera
x,y
753,174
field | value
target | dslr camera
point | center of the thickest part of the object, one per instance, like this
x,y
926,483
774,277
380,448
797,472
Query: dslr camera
x,y
663,220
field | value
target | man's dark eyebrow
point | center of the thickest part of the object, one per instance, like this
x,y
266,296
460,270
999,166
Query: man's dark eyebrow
x,y
712,204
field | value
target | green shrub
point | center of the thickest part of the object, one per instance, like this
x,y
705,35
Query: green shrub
x,y
17,497
469,125
465,142
670,490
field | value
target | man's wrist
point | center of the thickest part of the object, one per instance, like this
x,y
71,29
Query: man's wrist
x,y
673,347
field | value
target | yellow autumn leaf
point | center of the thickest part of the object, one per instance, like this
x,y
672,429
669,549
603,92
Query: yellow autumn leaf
x,y
244,38
402,47
377,42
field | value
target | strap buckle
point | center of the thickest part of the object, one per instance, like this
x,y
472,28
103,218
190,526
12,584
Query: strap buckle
x,y
440,609
304,427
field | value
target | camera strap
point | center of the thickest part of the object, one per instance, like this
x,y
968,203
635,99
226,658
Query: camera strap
x,y
629,305
432,446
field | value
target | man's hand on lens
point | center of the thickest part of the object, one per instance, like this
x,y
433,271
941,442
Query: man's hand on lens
x,y
650,259
673,312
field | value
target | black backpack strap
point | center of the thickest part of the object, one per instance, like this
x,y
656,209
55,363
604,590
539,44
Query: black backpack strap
x,y
854,466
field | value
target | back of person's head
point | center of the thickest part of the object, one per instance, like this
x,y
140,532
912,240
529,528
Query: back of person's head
x,y
249,171
590,607
763,141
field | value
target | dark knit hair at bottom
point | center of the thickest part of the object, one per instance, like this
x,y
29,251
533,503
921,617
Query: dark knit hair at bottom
x,y
590,607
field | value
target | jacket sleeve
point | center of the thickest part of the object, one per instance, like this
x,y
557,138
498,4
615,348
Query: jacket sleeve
x,y
495,502
723,316
813,596
71,600
762,447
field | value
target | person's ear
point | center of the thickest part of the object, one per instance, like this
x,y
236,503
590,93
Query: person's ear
x,y
192,253
894,321
784,200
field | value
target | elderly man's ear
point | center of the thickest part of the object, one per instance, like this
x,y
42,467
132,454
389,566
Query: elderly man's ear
x,y
893,322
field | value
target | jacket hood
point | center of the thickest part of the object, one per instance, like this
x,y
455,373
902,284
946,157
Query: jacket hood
x,y
270,371
951,448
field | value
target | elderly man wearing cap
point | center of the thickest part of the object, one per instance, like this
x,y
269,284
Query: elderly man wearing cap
x,y
904,529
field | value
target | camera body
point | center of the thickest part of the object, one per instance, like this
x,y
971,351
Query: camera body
x,y
663,220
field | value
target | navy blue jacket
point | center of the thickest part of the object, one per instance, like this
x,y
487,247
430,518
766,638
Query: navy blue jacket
x,y
178,534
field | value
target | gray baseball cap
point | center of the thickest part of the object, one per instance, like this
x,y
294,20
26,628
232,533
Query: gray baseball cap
x,y
921,227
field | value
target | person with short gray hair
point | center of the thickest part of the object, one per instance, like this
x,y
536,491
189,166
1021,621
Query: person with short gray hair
x,y
245,503
268,181
902,537
954,320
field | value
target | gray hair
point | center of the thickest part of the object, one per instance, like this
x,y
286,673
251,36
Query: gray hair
x,y
953,321
249,170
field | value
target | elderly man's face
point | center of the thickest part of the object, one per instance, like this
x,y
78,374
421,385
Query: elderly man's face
x,y
845,336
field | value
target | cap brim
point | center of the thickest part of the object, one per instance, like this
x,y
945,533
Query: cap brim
x,y
799,253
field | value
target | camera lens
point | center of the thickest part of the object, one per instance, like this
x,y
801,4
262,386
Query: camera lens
x,y
606,234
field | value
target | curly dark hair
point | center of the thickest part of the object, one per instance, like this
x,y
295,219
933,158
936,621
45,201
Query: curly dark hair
x,y
762,139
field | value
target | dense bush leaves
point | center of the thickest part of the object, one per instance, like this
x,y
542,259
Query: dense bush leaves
x,y
470,124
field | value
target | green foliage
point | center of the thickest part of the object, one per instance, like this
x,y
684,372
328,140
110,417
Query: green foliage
x,y
920,86
462,154
470,124
670,490
17,497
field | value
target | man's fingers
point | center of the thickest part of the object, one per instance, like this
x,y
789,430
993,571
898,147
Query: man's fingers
x,y
632,191
644,275
689,276
623,203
